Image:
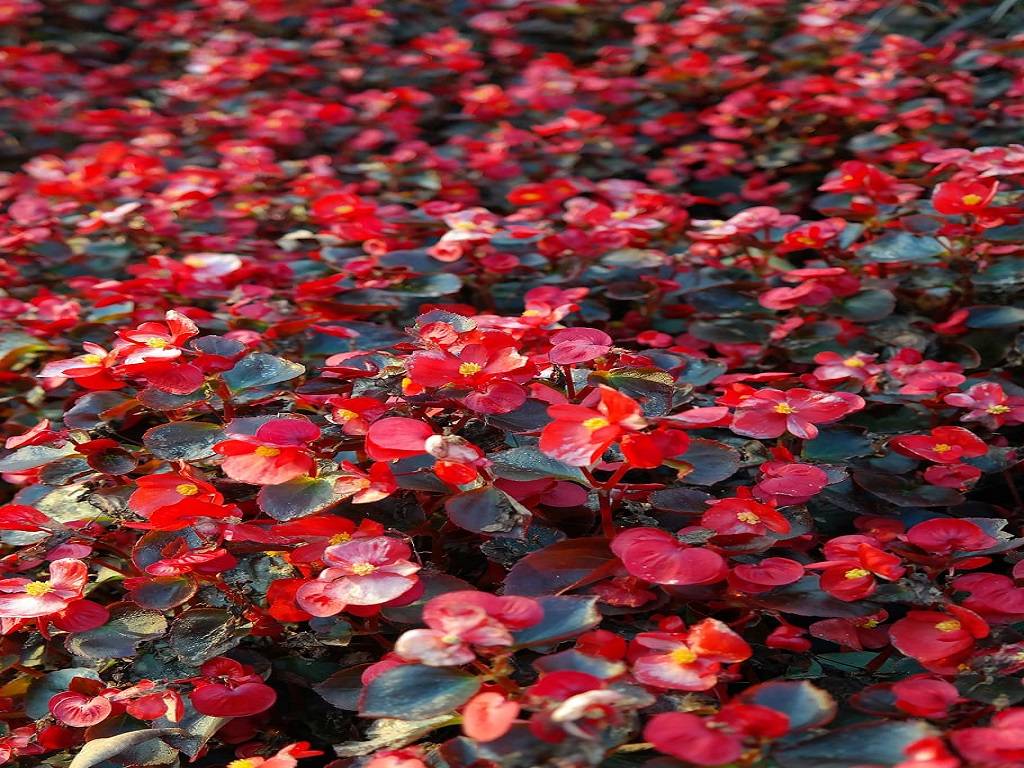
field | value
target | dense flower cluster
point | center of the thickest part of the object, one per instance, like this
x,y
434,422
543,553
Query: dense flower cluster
x,y
394,384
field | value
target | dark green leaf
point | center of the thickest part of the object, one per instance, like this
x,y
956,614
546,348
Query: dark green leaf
x,y
488,510
183,440
417,692
564,618
869,744
296,498
261,370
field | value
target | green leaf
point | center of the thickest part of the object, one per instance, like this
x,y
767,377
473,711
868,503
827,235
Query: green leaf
x,y
183,440
707,462
32,456
904,493
202,633
564,618
391,734
806,705
806,598
297,498
100,750
994,316
261,370
417,692
869,744
558,566
868,305
161,593
488,510
895,247
128,626
836,445
528,463
342,689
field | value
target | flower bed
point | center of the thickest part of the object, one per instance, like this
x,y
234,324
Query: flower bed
x,y
549,383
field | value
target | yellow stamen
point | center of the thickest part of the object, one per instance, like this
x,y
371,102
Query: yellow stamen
x,y
470,369
186,489
344,414
748,517
243,763
532,313
344,209
267,452
38,588
157,343
996,410
340,538
621,215
870,623
363,569
971,199
856,573
952,625
92,359
783,408
941,447
683,656
854,362
596,423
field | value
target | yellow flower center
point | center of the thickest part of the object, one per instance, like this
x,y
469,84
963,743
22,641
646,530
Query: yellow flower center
x,y
748,517
186,489
470,369
596,423
942,447
344,209
621,215
464,225
952,625
363,569
856,573
243,763
340,538
531,196
532,313
870,623
267,452
995,410
344,414
92,359
854,362
38,588
157,343
683,656
971,199
450,639
784,409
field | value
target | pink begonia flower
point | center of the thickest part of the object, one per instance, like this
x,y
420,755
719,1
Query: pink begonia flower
x,y
22,598
687,661
988,405
368,571
457,620
771,412
274,454
835,367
